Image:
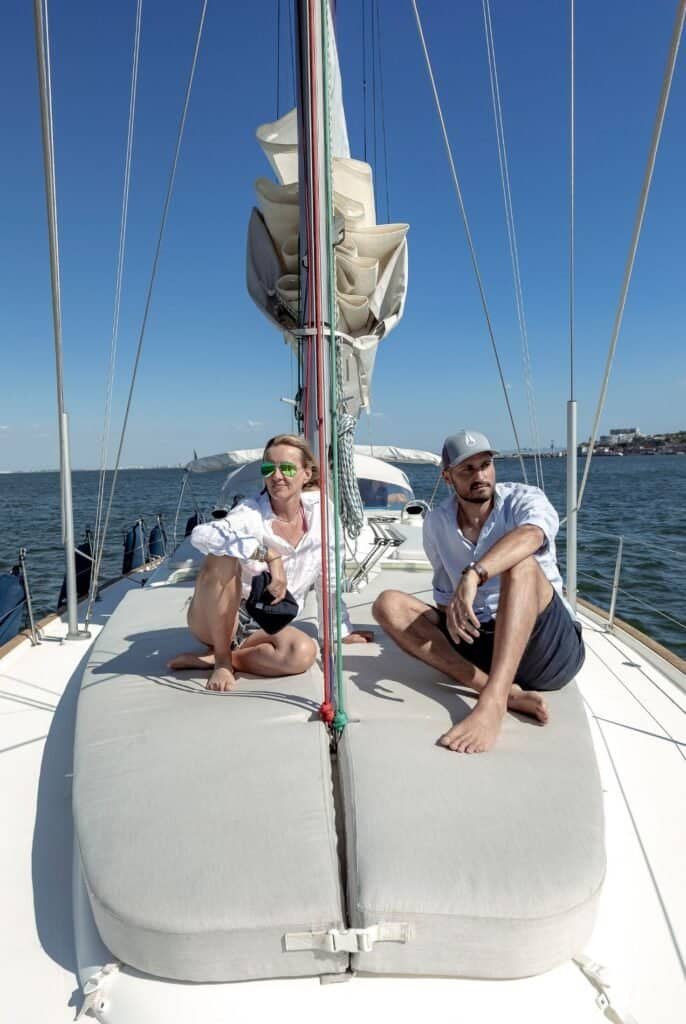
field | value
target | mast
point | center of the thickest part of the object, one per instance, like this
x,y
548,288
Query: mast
x,y
572,498
43,58
316,255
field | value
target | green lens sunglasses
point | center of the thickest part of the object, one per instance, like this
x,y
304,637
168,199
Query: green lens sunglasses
x,y
287,468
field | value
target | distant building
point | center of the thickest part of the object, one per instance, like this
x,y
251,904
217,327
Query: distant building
x,y
620,435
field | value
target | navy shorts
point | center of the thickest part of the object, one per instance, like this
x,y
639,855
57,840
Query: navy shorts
x,y
554,654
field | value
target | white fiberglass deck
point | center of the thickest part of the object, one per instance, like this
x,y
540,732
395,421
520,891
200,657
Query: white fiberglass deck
x,y
639,729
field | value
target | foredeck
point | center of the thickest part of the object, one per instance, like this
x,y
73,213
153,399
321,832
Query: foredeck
x,y
638,725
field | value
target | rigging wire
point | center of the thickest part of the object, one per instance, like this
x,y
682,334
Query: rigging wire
x,y
292,50
98,539
153,273
372,12
383,117
468,233
364,76
638,224
512,239
278,56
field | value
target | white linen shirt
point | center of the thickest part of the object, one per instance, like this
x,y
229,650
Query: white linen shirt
x,y
250,525
449,551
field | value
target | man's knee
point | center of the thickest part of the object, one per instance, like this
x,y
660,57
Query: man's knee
x,y
390,607
527,568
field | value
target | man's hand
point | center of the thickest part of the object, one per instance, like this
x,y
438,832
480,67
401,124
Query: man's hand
x,y
360,636
461,621
279,584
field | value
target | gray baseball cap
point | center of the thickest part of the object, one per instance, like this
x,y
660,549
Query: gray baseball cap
x,y
462,445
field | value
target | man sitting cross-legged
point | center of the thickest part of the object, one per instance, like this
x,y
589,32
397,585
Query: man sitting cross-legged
x,y
500,625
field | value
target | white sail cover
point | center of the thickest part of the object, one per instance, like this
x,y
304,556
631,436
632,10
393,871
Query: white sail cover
x,y
371,258
244,456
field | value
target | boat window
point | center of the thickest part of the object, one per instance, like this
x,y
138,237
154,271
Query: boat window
x,y
380,494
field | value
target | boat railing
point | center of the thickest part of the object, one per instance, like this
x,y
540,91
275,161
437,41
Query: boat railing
x,y
614,586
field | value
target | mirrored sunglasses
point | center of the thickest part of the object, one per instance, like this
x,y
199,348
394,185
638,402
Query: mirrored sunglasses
x,y
287,468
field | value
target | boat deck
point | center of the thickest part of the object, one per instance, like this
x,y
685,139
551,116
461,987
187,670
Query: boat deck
x,y
638,725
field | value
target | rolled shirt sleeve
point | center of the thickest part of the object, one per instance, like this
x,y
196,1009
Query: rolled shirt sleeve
x,y
530,507
237,535
442,587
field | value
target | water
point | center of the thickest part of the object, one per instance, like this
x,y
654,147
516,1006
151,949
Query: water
x,y
640,497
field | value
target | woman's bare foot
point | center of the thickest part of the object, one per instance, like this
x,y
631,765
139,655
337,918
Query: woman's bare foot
x,y
478,731
191,660
222,678
528,702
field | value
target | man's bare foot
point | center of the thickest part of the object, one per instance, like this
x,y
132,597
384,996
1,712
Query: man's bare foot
x,y
222,678
478,731
528,702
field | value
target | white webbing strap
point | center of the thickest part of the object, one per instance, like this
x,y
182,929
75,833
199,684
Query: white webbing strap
x,y
351,940
597,975
95,990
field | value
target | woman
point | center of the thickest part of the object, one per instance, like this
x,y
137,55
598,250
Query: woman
x,y
280,531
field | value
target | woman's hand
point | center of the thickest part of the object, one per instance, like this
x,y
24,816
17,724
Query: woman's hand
x,y
461,621
360,636
279,584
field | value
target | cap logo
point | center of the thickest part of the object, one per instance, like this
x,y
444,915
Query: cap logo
x,y
469,440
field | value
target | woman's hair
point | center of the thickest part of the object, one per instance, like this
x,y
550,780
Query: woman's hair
x,y
306,455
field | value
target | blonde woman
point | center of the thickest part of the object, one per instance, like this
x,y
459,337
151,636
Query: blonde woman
x,y
280,531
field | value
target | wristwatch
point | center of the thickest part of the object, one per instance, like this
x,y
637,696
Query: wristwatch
x,y
260,553
478,569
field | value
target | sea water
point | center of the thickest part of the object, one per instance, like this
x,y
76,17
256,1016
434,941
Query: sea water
x,y
642,498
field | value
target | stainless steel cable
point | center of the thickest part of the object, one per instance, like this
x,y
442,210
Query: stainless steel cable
x,y
638,224
512,239
99,537
153,274
468,233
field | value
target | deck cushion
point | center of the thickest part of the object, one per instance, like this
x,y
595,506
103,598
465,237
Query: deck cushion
x,y
495,860
204,821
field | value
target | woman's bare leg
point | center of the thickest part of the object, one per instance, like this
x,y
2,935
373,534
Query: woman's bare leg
x,y
287,653
212,619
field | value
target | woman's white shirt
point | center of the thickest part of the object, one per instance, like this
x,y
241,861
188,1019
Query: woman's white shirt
x,y
250,525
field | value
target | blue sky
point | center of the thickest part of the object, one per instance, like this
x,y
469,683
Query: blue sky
x,y
213,370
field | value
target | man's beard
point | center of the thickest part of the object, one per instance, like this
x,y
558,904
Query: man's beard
x,y
482,497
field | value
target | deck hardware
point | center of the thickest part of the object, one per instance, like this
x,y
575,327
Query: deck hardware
x,y
351,940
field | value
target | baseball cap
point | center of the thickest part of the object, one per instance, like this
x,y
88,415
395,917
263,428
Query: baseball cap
x,y
462,445
271,615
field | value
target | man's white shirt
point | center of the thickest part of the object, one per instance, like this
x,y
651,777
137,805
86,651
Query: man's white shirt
x,y
250,525
449,551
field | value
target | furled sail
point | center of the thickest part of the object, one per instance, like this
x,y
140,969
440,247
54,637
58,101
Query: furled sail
x,y
371,258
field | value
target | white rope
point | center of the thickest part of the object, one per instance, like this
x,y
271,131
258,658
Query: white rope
x,y
153,273
638,224
468,233
99,539
512,239
352,510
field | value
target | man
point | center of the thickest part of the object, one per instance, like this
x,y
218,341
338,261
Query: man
x,y
500,625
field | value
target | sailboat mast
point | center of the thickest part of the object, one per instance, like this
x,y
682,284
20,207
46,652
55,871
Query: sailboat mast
x,y
315,256
43,58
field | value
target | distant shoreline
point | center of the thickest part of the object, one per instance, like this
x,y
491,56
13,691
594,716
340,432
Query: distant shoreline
x,y
499,457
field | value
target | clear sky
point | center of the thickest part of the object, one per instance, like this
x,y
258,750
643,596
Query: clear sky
x,y
213,370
